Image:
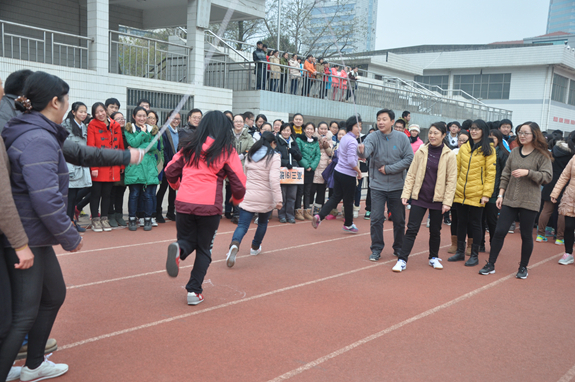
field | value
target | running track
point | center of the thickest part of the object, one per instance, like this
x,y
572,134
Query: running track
x,y
312,307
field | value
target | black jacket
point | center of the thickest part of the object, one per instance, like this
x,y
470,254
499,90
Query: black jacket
x,y
561,155
283,149
500,162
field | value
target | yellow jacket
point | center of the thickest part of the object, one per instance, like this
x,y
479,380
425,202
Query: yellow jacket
x,y
446,176
475,175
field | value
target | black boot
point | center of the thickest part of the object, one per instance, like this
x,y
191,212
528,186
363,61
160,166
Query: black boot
x,y
473,259
147,224
460,253
133,224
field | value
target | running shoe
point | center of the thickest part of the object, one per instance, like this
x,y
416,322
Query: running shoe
x,y
316,221
559,242
46,370
154,222
367,215
522,273
351,229
142,222
428,222
374,256
447,220
566,259
512,228
330,217
488,269
541,239
435,262
195,299
173,261
14,373
232,252
399,266
255,252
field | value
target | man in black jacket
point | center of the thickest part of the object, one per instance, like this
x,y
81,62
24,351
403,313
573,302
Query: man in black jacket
x,y
259,57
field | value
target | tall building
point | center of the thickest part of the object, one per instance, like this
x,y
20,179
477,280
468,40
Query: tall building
x,y
561,16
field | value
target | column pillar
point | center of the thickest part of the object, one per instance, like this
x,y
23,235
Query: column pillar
x,y
98,26
198,21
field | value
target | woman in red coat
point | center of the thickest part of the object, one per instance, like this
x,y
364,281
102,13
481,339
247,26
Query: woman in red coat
x,y
103,132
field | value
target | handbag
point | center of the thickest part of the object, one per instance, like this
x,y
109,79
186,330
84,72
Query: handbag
x,y
327,174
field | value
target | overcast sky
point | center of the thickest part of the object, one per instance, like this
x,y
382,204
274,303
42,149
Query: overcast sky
x,y
410,22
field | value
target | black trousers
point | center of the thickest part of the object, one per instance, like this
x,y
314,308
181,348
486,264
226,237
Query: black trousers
x,y
569,234
37,295
344,189
469,216
416,216
307,187
393,199
490,215
526,220
299,195
197,233
74,196
368,197
117,200
100,191
318,193
5,297
164,186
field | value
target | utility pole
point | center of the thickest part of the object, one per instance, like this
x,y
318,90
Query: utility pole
x,y
279,23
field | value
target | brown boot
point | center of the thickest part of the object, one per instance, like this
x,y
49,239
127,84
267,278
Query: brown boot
x,y
307,214
299,215
453,247
469,244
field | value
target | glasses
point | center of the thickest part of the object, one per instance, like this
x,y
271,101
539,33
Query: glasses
x,y
176,119
120,120
474,129
462,140
524,133
151,117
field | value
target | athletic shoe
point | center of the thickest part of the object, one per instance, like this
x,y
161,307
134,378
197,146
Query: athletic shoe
x,y
447,220
351,229
512,228
96,225
541,239
255,252
79,228
14,373
316,221
566,259
173,261
399,266
428,221
488,269
367,215
154,222
560,242
435,262
330,217
105,224
142,222
231,255
374,256
46,370
522,273
148,224
283,220
133,224
194,299
291,221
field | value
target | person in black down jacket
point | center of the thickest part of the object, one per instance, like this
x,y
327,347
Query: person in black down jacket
x,y
291,154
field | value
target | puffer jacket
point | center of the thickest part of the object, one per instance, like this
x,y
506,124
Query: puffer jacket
x,y
502,156
263,190
7,109
244,143
561,155
147,171
310,152
200,188
325,158
39,180
292,159
416,145
106,137
294,73
567,204
475,175
80,177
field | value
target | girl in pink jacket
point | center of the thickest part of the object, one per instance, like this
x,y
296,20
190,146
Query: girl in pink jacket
x,y
263,194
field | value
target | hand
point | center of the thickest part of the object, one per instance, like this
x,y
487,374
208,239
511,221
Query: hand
x,y
289,166
499,203
404,201
554,200
359,175
136,155
241,157
25,257
95,173
308,169
382,170
361,148
445,209
279,206
292,151
485,199
519,173
79,247
121,171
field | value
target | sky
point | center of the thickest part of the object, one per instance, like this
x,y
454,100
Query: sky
x,y
423,22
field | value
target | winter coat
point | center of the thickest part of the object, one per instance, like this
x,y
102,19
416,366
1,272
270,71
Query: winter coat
x,y
147,171
80,177
343,79
7,109
502,156
263,190
294,73
325,158
320,70
39,180
284,62
310,153
276,70
200,190
567,205
416,145
561,155
289,158
309,68
446,176
109,137
334,78
243,144
475,175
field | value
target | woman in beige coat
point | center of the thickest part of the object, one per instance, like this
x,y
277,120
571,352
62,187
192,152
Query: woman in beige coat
x,y
263,194
326,143
276,71
566,208
430,184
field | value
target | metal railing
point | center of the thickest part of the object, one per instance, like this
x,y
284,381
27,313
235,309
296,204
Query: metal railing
x,y
339,88
222,46
149,58
23,42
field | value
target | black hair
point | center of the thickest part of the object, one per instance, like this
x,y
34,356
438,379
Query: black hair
x,y
143,100
259,43
286,125
75,107
229,112
506,122
269,124
322,123
194,111
294,55
405,114
278,120
296,114
439,126
332,122
262,116
265,141
571,142
389,112
453,123
156,114
497,134
40,88
265,46
210,126
112,101
484,143
115,114
351,122
170,114
401,121
307,124
135,111
248,115
466,124
15,82
308,56
95,107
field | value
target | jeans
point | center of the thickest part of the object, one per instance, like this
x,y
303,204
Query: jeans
x,y
344,187
37,295
197,233
148,193
526,221
416,216
164,186
261,77
229,208
274,85
294,84
397,209
100,191
244,225
546,212
469,217
289,192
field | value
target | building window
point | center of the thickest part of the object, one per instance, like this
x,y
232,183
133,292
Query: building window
x,y
559,91
161,103
433,81
484,86
571,99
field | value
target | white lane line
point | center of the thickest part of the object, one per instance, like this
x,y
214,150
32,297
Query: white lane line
x,y
164,321
568,376
375,336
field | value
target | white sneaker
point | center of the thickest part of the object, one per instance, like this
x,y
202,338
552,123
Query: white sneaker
x,y
141,222
46,370
231,256
255,252
427,225
435,262
154,222
14,373
566,259
399,266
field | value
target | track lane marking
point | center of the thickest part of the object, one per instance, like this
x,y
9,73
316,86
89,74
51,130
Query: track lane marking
x,y
568,376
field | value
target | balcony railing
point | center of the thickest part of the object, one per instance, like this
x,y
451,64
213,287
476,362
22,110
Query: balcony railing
x,y
149,58
23,42
294,81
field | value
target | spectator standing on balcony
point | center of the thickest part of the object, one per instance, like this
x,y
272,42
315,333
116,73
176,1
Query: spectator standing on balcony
x,y
311,154
259,57
170,142
290,155
343,82
284,61
194,118
309,75
275,71
326,81
453,132
335,83
320,68
294,74
268,69
353,76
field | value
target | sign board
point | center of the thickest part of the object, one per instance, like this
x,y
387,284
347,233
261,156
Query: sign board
x,y
293,176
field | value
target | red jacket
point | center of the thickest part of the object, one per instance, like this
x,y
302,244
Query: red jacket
x,y
200,188
102,136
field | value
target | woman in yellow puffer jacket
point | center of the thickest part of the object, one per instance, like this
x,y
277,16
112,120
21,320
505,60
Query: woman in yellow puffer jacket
x,y
475,181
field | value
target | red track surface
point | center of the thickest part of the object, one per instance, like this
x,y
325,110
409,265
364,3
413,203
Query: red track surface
x,y
312,307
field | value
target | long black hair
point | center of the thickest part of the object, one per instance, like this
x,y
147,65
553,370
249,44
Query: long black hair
x,y
40,88
73,125
497,134
485,144
217,126
265,141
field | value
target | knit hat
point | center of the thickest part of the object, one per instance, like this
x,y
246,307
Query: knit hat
x,y
414,127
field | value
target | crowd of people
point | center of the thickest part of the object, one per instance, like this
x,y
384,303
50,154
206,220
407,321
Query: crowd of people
x,y
477,177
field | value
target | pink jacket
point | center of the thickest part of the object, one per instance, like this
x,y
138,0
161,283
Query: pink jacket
x,y
343,79
334,79
415,145
263,190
